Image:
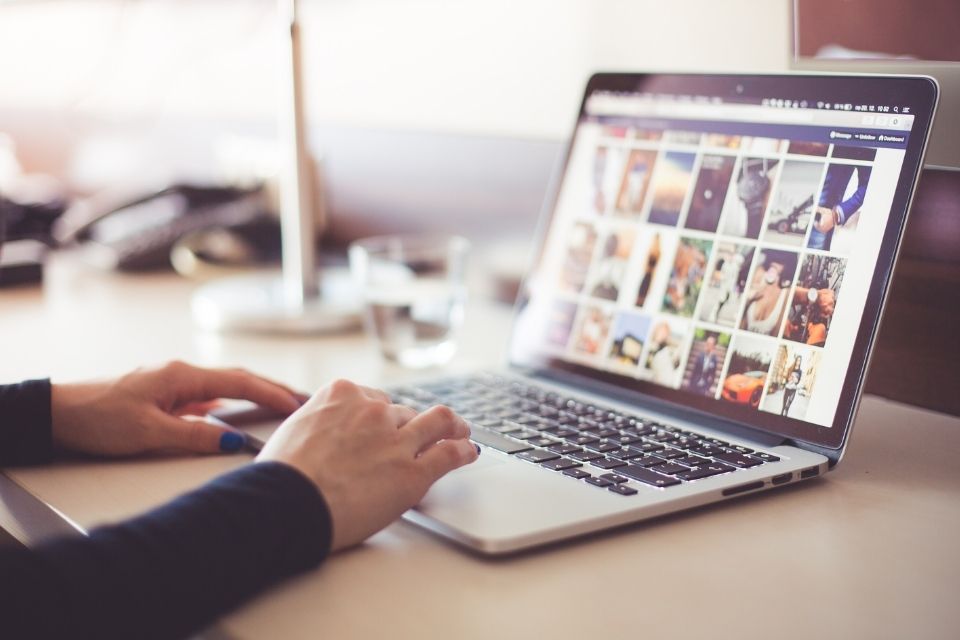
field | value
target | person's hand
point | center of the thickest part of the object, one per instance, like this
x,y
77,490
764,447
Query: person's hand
x,y
827,219
826,302
371,460
145,410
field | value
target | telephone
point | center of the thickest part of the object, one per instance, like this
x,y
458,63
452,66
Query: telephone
x,y
135,233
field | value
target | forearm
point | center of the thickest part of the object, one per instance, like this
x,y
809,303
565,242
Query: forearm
x,y
25,425
174,570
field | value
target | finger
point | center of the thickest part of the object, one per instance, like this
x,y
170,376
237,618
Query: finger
x,y
402,414
446,456
196,408
199,436
209,384
375,394
433,425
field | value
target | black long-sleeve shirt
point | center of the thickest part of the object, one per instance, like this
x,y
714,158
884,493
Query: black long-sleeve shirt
x,y
167,573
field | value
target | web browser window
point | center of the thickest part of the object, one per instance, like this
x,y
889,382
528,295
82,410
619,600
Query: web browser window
x,y
723,250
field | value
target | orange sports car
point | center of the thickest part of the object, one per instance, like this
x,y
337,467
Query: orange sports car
x,y
744,388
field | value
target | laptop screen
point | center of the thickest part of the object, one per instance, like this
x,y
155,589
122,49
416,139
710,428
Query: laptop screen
x,y
720,251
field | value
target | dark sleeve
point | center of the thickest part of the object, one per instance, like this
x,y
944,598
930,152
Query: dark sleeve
x,y
25,436
174,570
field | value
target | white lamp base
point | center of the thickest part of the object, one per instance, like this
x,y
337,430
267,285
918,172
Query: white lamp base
x,y
257,303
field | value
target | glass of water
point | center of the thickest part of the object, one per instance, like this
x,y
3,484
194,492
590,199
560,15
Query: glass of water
x,y
414,291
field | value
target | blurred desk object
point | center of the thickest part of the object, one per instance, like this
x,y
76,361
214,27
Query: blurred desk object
x,y
919,344
869,551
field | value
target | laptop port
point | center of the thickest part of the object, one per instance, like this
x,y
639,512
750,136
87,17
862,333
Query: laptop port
x,y
809,473
783,478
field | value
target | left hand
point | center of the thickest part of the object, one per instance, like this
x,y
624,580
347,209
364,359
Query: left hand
x,y
144,410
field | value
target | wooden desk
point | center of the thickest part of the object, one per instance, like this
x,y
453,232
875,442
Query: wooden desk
x,y
869,551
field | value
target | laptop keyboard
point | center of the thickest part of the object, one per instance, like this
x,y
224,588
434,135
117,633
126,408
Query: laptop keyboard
x,y
598,445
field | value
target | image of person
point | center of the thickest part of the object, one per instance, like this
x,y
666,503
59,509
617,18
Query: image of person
x,y
770,289
592,332
663,360
705,369
613,266
791,385
345,463
813,325
833,211
725,280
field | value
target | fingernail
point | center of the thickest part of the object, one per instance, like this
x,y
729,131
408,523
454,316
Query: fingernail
x,y
477,447
231,441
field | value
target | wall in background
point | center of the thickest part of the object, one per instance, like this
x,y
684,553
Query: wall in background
x,y
493,67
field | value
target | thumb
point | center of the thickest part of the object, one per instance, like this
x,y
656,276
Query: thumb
x,y
199,436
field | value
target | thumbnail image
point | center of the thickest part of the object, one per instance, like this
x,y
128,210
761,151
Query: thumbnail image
x,y
629,332
665,351
683,137
743,214
658,250
611,267
559,323
838,209
721,141
791,208
607,171
801,148
792,377
710,192
726,281
592,330
763,145
814,299
576,260
636,178
689,266
747,371
614,131
705,362
867,154
647,134
768,291
671,186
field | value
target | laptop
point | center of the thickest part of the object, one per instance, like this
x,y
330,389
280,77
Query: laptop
x,y
698,319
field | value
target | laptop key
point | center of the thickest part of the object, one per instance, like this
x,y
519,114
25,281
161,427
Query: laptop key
x,y
737,460
585,456
613,477
607,463
542,442
497,441
622,489
577,473
564,448
599,482
705,471
561,464
625,453
739,449
671,468
582,439
625,439
538,455
671,454
692,461
647,476
648,460
603,447
765,457
560,432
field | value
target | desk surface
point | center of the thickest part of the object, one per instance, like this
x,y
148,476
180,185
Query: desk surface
x,y
868,551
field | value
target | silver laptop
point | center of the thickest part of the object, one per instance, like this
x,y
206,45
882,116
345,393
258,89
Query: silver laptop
x,y
697,324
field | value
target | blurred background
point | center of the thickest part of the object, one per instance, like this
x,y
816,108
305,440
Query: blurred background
x,y
441,115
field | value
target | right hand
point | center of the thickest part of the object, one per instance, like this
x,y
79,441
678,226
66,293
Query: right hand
x,y
370,459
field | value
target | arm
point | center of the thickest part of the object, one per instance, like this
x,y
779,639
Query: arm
x,y
178,568
173,570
